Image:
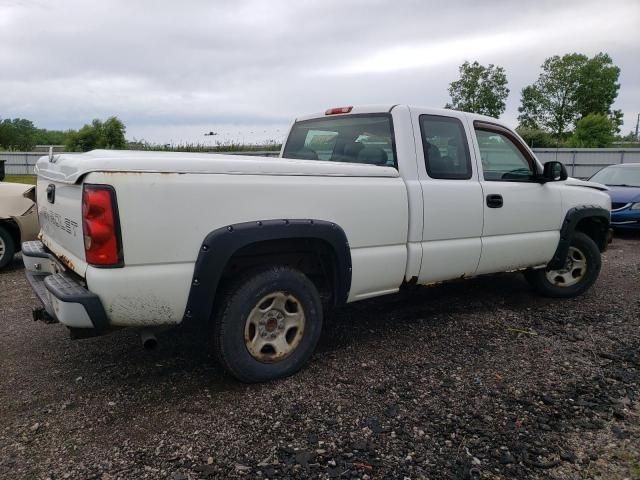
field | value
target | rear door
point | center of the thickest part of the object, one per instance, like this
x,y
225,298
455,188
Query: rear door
x,y
451,194
522,216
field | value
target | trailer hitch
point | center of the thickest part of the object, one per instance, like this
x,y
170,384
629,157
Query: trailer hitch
x,y
41,315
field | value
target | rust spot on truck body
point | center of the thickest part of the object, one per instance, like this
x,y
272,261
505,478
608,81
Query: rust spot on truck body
x,y
66,261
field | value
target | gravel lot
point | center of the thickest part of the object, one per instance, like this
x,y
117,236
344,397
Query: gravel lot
x,y
474,379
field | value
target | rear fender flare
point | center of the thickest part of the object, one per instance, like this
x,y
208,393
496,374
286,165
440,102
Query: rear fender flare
x,y
220,245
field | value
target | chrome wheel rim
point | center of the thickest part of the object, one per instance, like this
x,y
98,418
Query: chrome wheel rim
x,y
3,248
573,271
274,327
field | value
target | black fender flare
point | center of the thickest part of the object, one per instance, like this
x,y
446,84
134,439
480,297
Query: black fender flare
x,y
568,229
221,244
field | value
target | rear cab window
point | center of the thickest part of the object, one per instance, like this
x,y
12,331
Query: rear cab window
x,y
364,138
446,151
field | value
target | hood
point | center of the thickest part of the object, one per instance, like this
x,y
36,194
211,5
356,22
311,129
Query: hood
x,y
15,199
69,168
575,182
624,194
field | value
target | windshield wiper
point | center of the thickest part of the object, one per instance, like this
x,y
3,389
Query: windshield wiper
x,y
620,185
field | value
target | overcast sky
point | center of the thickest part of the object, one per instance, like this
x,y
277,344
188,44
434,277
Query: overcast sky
x,y
172,70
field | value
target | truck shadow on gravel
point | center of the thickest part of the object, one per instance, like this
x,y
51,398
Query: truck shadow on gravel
x,y
184,355
368,323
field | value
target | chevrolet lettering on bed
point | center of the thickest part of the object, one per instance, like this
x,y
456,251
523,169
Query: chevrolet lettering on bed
x,y
362,202
58,221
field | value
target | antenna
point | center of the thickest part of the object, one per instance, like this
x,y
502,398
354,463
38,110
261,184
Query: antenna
x,y
51,152
637,124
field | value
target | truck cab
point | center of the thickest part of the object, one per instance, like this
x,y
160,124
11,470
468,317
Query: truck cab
x,y
479,200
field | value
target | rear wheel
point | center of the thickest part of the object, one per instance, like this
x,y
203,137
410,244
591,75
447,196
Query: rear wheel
x,y
7,247
268,324
579,272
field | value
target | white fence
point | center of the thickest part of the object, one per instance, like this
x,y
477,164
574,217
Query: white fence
x,y
580,162
19,163
584,162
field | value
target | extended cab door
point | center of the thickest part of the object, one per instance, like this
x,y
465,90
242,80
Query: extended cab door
x,y
521,215
451,194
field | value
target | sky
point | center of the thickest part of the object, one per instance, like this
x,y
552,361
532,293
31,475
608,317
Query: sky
x,y
174,70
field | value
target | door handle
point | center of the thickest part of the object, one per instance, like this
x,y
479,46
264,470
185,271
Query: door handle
x,y
494,200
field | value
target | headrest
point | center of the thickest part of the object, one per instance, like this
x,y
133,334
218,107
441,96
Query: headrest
x,y
372,155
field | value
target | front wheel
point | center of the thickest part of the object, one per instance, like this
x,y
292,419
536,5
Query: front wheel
x,y
579,272
7,247
268,324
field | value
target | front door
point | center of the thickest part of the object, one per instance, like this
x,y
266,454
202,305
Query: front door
x,y
452,197
522,217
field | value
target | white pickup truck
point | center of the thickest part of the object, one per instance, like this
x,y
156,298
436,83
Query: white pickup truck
x,y
361,202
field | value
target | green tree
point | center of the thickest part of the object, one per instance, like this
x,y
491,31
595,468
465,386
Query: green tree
x,y
594,130
598,86
99,134
113,131
569,88
479,89
536,137
43,136
17,134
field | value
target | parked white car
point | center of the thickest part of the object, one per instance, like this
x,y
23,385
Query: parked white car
x,y
361,201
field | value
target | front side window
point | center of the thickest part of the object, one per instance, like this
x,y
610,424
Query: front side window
x,y
446,151
502,160
351,138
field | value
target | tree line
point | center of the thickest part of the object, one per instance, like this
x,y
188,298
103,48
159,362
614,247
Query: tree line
x,y
21,134
569,105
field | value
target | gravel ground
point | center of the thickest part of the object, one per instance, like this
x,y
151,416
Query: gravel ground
x,y
473,379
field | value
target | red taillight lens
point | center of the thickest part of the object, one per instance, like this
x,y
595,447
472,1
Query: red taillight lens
x,y
338,110
101,226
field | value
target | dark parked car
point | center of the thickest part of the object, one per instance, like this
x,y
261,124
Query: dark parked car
x,y
624,189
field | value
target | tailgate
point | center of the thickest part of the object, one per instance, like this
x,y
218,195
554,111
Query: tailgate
x,y
60,215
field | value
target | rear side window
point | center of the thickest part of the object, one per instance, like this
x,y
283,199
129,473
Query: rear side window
x,y
446,150
351,138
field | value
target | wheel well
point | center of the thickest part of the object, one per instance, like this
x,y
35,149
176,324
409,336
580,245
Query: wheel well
x,y
12,228
313,257
596,228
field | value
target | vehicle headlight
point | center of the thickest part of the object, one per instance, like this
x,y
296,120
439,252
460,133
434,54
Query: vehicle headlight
x,y
635,206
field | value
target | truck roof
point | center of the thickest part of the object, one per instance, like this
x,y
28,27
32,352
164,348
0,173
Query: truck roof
x,y
386,108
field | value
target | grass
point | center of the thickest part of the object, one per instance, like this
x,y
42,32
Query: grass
x,y
28,179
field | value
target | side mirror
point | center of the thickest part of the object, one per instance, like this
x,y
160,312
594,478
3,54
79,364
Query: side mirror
x,y
554,172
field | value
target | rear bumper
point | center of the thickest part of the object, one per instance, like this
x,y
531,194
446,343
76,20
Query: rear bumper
x,y
62,295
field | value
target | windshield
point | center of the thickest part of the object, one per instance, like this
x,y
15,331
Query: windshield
x,y
618,176
351,138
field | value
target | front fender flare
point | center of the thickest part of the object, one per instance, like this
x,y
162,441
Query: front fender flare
x,y
220,245
568,229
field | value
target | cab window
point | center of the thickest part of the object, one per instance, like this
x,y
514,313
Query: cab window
x,y
502,160
446,151
364,138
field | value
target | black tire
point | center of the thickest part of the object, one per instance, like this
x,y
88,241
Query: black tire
x,y
240,299
540,282
7,253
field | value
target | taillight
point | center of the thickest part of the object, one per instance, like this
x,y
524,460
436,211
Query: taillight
x,y
101,226
338,110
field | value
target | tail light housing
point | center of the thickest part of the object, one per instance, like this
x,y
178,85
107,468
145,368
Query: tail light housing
x,y
101,226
